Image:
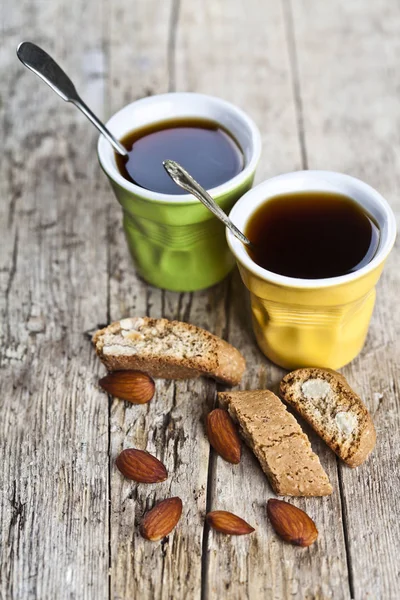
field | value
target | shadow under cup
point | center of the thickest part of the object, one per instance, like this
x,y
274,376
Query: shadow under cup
x,y
175,242
312,322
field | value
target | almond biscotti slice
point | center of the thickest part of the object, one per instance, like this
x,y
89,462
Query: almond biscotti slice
x,y
168,349
277,440
325,399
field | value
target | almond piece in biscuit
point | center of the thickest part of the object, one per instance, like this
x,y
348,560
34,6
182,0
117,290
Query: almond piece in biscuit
x,y
325,399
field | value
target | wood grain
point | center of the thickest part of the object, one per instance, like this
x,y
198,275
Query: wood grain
x,y
54,421
321,81
171,425
349,91
257,566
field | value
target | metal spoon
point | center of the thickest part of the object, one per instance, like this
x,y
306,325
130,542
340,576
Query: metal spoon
x,y
186,181
38,61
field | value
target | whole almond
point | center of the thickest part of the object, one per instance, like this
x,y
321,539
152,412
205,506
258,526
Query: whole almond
x,y
291,523
161,519
227,522
141,466
134,386
223,436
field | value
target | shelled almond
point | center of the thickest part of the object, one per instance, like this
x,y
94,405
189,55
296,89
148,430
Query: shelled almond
x,y
291,523
133,386
223,436
226,522
161,519
141,466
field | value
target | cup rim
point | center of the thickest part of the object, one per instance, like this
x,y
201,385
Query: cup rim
x,y
105,151
259,194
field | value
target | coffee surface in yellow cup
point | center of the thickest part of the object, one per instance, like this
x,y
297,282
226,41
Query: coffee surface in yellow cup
x,y
312,235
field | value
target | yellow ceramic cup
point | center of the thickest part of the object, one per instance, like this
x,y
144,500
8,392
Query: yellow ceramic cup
x,y
312,322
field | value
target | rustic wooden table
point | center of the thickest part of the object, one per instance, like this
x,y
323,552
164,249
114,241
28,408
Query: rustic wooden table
x,y
322,81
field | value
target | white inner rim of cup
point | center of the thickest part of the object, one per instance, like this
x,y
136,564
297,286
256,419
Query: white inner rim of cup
x,y
164,107
302,181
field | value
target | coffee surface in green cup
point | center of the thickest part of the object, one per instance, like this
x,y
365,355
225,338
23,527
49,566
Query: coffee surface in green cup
x,y
205,149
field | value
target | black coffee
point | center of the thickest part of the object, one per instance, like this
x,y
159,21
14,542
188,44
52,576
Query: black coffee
x,y
202,147
312,235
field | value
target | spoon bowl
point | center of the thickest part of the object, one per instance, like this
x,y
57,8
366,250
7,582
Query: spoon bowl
x,y
186,182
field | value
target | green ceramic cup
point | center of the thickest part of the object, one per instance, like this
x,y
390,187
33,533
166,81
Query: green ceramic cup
x,y
175,242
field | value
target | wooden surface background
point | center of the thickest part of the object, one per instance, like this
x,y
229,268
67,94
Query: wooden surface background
x,y
322,81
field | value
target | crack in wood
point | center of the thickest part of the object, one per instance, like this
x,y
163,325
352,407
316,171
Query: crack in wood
x,y
18,509
296,86
345,530
12,272
171,50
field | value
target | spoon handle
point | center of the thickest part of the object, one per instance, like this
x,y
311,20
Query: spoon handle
x,y
186,181
118,147
38,61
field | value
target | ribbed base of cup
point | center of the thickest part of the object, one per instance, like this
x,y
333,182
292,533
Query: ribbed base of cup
x,y
187,284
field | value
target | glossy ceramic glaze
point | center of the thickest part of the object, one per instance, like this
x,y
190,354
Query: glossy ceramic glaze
x,y
176,243
312,322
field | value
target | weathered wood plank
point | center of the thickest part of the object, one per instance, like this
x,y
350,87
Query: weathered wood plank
x,y
349,89
171,425
263,566
53,426
324,93
238,51
246,60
